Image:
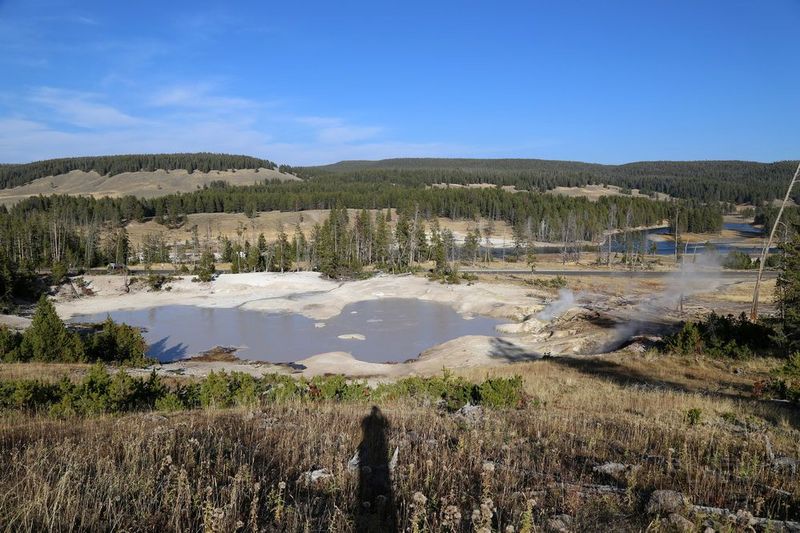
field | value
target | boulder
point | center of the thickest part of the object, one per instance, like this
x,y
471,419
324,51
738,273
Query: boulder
x,y
681,523
615,469
666,502
560,523
470,413
314,477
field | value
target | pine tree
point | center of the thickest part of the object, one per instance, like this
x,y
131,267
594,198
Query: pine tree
x,y
788,291
47,339
206,269
472,244
381,239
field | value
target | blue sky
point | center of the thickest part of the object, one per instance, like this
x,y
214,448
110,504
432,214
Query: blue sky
x,y
316,82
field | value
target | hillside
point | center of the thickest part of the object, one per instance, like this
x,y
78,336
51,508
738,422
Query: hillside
x,y
14,175
143,184
141,175
730,181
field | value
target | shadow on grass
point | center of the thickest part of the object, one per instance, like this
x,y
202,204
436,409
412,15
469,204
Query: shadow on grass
x,y
626,376
375,507
511,352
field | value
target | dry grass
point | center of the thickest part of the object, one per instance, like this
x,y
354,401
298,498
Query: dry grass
x,y
48,372
595,192
141,184
210,226
222,470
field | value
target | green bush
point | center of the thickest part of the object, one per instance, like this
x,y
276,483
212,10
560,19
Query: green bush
x,y
558,282
10,341
100,392
156,282
501,392
337,388
723,336
58,273
785,383
736,260
170,402
117,343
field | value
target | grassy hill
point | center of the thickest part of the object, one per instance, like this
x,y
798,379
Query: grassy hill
x,y
12,175
143,176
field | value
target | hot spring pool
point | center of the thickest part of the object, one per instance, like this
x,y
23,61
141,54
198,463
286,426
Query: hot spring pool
x,y
384,330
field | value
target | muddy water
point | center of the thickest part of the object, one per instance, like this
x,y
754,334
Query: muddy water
x,y
385,330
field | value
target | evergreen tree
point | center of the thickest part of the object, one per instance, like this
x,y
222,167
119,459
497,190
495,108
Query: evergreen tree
x,y
381,240
47,339
788,292
282,254
472,244
206,269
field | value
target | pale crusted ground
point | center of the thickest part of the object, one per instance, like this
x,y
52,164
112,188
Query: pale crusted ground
x,y
600,315
595,192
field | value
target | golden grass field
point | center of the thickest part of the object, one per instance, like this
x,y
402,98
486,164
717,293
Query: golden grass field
x,y
242,469
141,184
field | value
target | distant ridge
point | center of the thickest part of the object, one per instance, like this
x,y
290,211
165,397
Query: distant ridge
x,y
14,175
699,168
728,181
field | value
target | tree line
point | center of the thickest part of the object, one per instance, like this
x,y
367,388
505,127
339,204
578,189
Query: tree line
x,y
12,175
53,230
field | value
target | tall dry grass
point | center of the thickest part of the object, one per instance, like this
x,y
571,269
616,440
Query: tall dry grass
x,y
240,470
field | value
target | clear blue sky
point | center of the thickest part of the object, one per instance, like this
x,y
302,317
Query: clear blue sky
x,y
316,82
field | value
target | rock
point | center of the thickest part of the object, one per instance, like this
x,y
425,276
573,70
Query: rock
x,y
470,413
354,462
681,523
559,523
352,337
154,417
313,477
666,502
614,469
786,463
745,518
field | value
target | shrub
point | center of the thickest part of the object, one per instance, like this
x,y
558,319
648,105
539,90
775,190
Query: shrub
x,y
785,383
215,392
501,392
58,273
337,388
736,260
558,282
693,416
118,342
100,392
156,282
10,341
170,402
723,336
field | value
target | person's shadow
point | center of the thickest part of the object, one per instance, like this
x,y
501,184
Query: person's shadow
x,y
375,507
